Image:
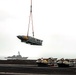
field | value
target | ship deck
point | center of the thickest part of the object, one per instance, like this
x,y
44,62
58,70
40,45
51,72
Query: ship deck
x,y
12,68
29,67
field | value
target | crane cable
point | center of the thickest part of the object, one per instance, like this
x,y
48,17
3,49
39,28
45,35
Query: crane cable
x,y
30,19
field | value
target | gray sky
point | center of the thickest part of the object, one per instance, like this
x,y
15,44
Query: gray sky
x,y
54,23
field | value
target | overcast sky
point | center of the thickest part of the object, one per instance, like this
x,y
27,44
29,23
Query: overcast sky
x,y
54,23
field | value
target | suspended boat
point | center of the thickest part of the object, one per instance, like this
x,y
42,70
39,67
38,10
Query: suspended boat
x,y
29,39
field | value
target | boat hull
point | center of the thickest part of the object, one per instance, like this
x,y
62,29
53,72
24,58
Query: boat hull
x,y
30,40
42,64
63,65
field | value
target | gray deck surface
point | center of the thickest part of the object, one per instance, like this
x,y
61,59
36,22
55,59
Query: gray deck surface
x,y
3,73
18,69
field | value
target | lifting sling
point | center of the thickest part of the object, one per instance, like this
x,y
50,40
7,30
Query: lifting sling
x,y
30,20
